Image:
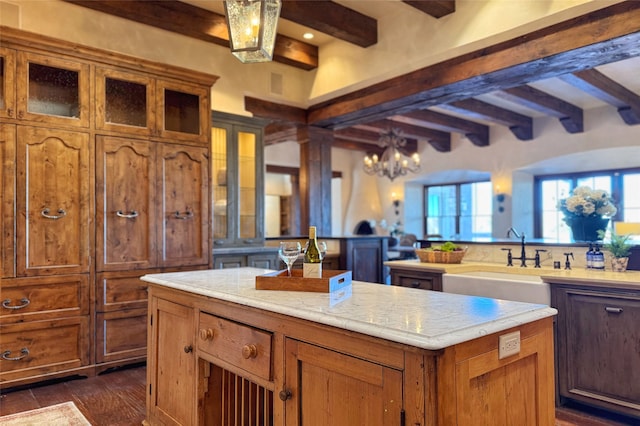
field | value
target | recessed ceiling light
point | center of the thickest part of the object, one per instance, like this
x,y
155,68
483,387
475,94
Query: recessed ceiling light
x,y
307,36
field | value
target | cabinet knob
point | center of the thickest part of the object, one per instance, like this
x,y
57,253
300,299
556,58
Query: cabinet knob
x,y
249,351
188,349
206,334
284,394
10,112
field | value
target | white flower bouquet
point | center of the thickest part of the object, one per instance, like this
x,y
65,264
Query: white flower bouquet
x,y
587,202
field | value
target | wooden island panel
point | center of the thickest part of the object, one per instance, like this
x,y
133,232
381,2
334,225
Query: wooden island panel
x,y
327,375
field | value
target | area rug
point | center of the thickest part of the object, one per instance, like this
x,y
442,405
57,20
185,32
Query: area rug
x,y
65,414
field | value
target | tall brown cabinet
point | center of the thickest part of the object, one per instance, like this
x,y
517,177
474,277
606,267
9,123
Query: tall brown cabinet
x,y
105,177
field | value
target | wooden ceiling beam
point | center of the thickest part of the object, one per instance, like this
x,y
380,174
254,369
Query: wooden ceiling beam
x,y
202,24
275,111
333,19
520,125
598,85
441,141
571,117
607,35
435,8
477,133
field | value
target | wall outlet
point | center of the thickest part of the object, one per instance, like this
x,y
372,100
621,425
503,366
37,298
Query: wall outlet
x,y
509,345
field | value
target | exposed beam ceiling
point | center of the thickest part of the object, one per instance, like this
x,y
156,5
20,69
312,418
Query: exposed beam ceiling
x,y
502,75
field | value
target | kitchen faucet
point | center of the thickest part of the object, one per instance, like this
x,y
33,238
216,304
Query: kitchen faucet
x,y
523,255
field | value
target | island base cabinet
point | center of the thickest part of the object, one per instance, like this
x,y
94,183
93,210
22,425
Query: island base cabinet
x,y
213,362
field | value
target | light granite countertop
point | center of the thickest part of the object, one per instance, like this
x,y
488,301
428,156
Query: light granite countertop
x,y
425,319
582,276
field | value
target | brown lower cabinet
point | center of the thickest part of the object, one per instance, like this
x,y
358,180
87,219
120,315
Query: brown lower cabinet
x,y
598,346
216,362
416,279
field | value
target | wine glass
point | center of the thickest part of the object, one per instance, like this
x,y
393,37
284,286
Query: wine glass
x,y
322,246
289,252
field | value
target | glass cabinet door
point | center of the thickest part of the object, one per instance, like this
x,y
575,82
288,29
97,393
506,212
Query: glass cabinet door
x,y
125,102
7,82
238,199
183,111
53,90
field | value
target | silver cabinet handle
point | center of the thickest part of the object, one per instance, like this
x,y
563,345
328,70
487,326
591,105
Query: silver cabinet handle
x,y
60,215
131,215
613,310
6,303
6,355
183,216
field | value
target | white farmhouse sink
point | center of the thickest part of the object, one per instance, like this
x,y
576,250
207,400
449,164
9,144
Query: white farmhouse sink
x,y
498,285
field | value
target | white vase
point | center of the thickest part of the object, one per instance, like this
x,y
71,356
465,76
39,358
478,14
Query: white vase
x,y
619,264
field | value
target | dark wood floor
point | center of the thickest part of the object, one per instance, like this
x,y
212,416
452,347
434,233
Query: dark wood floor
x,y
118,399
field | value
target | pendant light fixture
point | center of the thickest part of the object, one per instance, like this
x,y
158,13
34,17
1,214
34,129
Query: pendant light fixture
x,y
392,162
252,28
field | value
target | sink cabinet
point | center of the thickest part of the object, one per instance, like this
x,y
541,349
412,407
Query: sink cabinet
x,y
416,279
598,341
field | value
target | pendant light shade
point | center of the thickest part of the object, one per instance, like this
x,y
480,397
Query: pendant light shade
x,y
252,28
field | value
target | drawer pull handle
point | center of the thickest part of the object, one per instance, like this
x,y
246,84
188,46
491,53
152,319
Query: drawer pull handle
x,y
613,310
6,355
249,351
188,349
6,303
415,284
60,215
284,394
131,215
206,334
183,216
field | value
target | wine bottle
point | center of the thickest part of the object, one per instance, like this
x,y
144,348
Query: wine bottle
x,y
312,266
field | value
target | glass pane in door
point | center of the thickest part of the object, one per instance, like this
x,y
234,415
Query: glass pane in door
x,y
247,184
53,91
220,173
181,112
125,102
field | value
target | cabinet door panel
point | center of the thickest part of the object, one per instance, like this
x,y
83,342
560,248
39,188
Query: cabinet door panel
x,y
183,111
7,82
126,216
7,199
52,90
333,384
183,183
171,400
53,201
602,363
125,102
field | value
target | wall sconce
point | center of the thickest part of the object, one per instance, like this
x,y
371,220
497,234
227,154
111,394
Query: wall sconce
x,y
396,203
500,199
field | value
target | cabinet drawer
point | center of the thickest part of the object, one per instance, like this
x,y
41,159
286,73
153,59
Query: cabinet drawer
x,y
39,298
43,347
236,344
117,291
121,335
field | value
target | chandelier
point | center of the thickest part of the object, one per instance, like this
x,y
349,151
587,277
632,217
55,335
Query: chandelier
x,y
252,28
392,163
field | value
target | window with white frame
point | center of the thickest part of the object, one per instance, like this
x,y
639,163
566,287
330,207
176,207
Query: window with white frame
x,y
462,210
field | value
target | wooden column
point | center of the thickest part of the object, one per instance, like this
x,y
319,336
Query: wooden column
x,y
315,179
294,206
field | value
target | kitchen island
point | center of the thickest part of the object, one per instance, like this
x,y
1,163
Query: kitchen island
x,y
222,352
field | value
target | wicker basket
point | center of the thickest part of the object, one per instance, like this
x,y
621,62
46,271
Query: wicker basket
x,y
434,256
